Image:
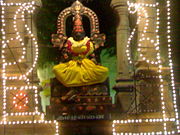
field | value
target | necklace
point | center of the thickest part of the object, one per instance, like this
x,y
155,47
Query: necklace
x,y
69,47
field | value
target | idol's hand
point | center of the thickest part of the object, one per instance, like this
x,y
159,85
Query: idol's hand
x,y
98,40
58,40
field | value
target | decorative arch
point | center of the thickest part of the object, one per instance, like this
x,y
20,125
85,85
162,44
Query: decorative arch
x,y
77,8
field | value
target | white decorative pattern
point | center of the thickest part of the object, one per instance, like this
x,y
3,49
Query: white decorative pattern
x,y
139,8
22,8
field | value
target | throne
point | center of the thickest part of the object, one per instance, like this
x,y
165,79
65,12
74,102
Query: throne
x,y
88,102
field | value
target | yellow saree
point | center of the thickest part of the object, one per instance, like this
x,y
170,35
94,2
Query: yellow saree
x,y
80,71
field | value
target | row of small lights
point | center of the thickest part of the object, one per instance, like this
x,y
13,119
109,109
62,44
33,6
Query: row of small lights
x,y
128,50
163,106
32,122
27,122
141,4
168,4
24,114
23,7
141,120
136,7
141,10
4,65
21,10
16,99
16,4
147,133
21,88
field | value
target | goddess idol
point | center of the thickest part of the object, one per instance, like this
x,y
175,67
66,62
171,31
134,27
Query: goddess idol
x,y
79,69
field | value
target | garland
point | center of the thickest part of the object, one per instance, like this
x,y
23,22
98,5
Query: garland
x,y
76,54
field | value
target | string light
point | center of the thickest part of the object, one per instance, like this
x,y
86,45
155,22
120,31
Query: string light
x,y
4,62
142,120
168,5
32,122
22,8
140,10
20,100
137,8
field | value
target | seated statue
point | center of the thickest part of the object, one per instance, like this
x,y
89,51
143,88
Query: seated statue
x,y
81,86
79,70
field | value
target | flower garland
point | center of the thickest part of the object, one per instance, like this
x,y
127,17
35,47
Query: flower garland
x,y
69,43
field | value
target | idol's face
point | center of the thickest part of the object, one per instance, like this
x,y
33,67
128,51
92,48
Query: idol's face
x,y
78,35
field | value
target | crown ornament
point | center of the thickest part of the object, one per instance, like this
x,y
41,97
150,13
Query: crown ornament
x,y
77,10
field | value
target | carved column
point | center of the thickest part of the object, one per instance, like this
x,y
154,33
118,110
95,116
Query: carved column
x,y
122,32
124,85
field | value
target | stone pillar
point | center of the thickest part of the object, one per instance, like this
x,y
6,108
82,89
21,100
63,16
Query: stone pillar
x,y
122,32
124,85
